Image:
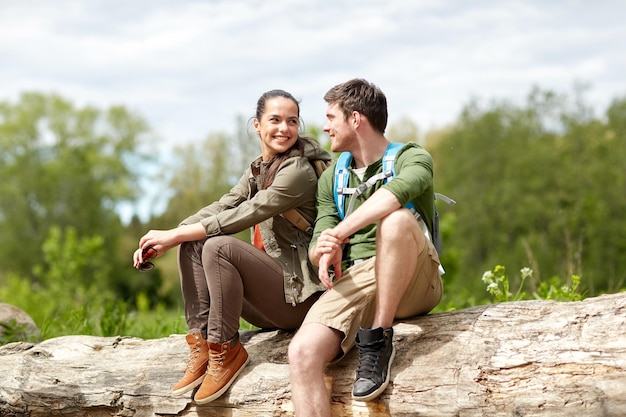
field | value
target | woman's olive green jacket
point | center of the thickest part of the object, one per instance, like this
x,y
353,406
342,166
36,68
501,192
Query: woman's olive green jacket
x,y
246,205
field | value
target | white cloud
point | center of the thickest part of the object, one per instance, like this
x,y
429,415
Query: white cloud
x,y
189,67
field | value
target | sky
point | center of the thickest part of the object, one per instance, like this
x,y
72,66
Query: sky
x,y
189,68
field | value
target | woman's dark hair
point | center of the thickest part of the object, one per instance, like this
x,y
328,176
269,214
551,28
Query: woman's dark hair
x,y
268,95
362,96
274,163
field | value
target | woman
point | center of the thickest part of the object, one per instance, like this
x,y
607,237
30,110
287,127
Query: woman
x,y
270,283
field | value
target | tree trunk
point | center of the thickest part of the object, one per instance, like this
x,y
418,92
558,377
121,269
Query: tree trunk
x,y
524,358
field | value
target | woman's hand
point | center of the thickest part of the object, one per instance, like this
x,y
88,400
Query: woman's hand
x,y
160,240
142,256
157,242
153,244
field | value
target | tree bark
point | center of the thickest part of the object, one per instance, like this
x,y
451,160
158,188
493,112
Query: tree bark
x,y
527,358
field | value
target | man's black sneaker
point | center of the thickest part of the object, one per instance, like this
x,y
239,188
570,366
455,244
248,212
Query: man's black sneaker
x,y
376,353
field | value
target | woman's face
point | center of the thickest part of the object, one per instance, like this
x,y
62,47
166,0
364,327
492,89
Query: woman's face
x,y
278,126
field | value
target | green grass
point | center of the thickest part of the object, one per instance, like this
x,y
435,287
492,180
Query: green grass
x,y
56,314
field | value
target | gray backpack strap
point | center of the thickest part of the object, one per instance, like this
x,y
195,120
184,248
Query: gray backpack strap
x,y
445,199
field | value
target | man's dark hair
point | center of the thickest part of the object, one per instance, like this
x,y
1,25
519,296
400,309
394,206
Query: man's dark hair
x,y
361,96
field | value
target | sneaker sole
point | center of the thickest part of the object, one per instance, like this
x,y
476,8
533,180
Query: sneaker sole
x,y
383,386
189,387
224,389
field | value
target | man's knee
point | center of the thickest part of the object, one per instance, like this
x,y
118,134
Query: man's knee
x,y
313,345
296,350
398,222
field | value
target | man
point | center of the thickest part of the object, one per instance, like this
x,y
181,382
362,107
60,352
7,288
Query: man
x,y
377,263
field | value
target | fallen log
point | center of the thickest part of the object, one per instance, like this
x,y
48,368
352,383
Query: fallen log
x,y
527,358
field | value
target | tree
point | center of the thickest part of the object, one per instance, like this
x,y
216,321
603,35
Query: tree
x,y
62,166
404,130
538,185
200,173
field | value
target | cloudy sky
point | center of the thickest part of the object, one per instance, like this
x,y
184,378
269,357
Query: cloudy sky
x,y
189,67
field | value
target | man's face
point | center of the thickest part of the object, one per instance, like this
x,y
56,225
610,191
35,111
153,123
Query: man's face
x,y
341,131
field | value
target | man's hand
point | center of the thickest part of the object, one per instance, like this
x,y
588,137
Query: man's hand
x,y
328,251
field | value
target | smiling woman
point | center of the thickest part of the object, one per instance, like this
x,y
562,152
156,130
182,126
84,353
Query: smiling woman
x,y
271,282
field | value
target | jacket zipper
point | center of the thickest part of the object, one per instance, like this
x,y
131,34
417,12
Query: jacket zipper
x,y
293,274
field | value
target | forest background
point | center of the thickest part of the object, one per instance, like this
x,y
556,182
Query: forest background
x,y
540,189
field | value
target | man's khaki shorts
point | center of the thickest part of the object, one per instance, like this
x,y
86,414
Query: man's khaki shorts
x,y
351,302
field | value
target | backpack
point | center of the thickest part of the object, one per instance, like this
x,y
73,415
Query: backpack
x,y
293,215
342,174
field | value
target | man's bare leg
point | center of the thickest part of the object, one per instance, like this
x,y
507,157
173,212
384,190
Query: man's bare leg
x,y
311,349
398,241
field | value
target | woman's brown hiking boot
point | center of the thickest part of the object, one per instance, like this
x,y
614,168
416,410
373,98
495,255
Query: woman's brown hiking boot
x,y
226,361
197,366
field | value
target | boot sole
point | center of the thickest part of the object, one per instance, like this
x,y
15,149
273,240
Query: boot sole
x,y
189,387
224,389
379,390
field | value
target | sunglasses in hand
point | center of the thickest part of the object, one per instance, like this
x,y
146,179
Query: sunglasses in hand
x,y
146,254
